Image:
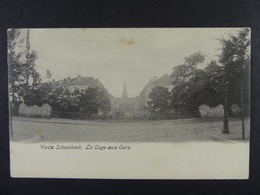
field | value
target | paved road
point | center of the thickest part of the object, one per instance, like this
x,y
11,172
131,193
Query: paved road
x,y
92,131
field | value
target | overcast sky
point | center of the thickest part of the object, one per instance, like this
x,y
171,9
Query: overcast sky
x,y
115,56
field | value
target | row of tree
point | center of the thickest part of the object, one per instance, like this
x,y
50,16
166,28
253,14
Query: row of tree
x,y
25,84
92,101
224,82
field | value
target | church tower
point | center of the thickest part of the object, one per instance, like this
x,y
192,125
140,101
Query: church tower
x,y
124,94
123,102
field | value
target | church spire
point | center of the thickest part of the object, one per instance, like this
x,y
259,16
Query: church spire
x,y
124,94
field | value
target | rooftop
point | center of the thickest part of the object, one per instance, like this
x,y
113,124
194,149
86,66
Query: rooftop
x,y
164,80
90,81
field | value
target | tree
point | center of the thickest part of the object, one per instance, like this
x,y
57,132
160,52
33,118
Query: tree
x,y
214,84
235,59
14,68
160,100
30,67
184,72
21,67
29,71
94,101
13,62
189,82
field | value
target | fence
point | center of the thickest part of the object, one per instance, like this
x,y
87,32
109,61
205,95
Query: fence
x,y
161,116
75,115
174,115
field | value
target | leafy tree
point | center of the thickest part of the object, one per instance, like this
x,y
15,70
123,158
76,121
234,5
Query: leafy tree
x,y
214,84
94,100
182,73
235,59
29,67
160,100
191,94
15,69
197,93
21,67
189,82
29,71
60,100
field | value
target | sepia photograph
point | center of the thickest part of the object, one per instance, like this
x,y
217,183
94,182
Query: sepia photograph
x,y
129,103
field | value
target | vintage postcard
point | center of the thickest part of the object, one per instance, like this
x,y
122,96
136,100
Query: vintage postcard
x,y
129,103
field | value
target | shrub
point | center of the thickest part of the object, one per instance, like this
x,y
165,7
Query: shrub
x,y
208,112
35,111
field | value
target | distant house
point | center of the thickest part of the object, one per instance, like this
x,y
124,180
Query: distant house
x,y
79,82
164,81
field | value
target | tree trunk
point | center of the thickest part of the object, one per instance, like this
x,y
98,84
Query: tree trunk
x,y
242,109
13,108
13,94
225,125
27,83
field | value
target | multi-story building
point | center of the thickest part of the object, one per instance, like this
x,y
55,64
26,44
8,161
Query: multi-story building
x,y
79,82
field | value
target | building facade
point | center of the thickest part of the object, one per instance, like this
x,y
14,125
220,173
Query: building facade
x,y
78,82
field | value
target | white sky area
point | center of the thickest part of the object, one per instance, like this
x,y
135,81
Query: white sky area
x,y
118,55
